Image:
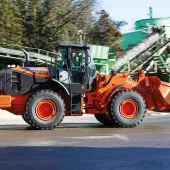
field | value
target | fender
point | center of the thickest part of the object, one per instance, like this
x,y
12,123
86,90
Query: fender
x,y
56,81
112,91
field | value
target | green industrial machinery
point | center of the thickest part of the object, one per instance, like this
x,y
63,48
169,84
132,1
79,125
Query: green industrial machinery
x,y
155,58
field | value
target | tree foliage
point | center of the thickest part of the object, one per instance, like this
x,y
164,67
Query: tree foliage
x,y
82,18
120,24
11,28
45,23
104,32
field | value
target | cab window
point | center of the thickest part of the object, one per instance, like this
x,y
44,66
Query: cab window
x,y
78,58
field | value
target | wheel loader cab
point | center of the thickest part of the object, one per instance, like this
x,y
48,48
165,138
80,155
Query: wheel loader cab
x,y
75,65
75,70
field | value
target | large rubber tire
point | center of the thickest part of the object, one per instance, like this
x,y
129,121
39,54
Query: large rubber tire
x,y
34,120
115,111
104,119
25,119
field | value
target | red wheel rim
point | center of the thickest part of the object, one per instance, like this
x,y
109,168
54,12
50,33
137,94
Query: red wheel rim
x,y
46,109
129,108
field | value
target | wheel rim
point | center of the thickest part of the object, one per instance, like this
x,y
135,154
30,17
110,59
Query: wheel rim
x,y
129,108
46,109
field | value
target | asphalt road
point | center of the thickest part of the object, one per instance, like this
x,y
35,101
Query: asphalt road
x,y
84,144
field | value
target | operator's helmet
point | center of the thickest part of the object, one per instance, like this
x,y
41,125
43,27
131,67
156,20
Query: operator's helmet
x,y
74,53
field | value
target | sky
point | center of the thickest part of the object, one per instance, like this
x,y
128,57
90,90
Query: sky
x,y
132,10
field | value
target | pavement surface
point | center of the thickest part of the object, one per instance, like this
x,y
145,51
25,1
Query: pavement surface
x,y
81,143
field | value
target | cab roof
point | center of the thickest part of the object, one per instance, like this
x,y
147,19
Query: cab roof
x,y
84,46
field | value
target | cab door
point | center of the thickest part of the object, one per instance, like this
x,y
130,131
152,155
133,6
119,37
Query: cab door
x,y
77,60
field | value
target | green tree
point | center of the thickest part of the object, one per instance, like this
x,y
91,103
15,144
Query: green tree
x,y
11,28
104,32
82,18
120,24
47,23
32,18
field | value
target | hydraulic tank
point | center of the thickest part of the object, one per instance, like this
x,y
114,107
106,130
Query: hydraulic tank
x,y
157,22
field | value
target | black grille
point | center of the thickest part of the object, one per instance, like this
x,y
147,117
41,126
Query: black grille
x,y
16,82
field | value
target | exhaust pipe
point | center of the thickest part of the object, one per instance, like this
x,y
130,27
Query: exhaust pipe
x,y
27,57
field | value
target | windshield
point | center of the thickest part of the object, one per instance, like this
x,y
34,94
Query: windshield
x,y
77,58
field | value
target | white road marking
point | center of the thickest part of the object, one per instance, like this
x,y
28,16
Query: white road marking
x,y
48,143
121,137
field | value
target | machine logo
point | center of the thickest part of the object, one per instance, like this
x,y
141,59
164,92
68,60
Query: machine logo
x,y
38,71
135,85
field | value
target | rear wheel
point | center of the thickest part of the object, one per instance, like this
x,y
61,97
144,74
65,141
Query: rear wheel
x,y
104,119
128,108
45,110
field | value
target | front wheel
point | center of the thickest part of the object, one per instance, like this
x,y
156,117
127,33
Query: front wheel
x,y
128,108
44,110
105,119
25,119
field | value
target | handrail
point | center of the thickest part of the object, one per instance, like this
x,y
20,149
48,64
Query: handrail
x,y
163,62
29,49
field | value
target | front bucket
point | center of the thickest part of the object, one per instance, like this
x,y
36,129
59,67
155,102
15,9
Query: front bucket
x,y
165,91
159,89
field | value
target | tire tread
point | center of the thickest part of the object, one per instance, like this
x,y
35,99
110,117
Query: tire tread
x,y
37,125
112,112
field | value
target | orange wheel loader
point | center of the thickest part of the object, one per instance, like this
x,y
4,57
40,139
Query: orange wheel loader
x,y
71,86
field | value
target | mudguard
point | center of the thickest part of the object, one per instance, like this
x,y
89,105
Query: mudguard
x,y
112,91
61,85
